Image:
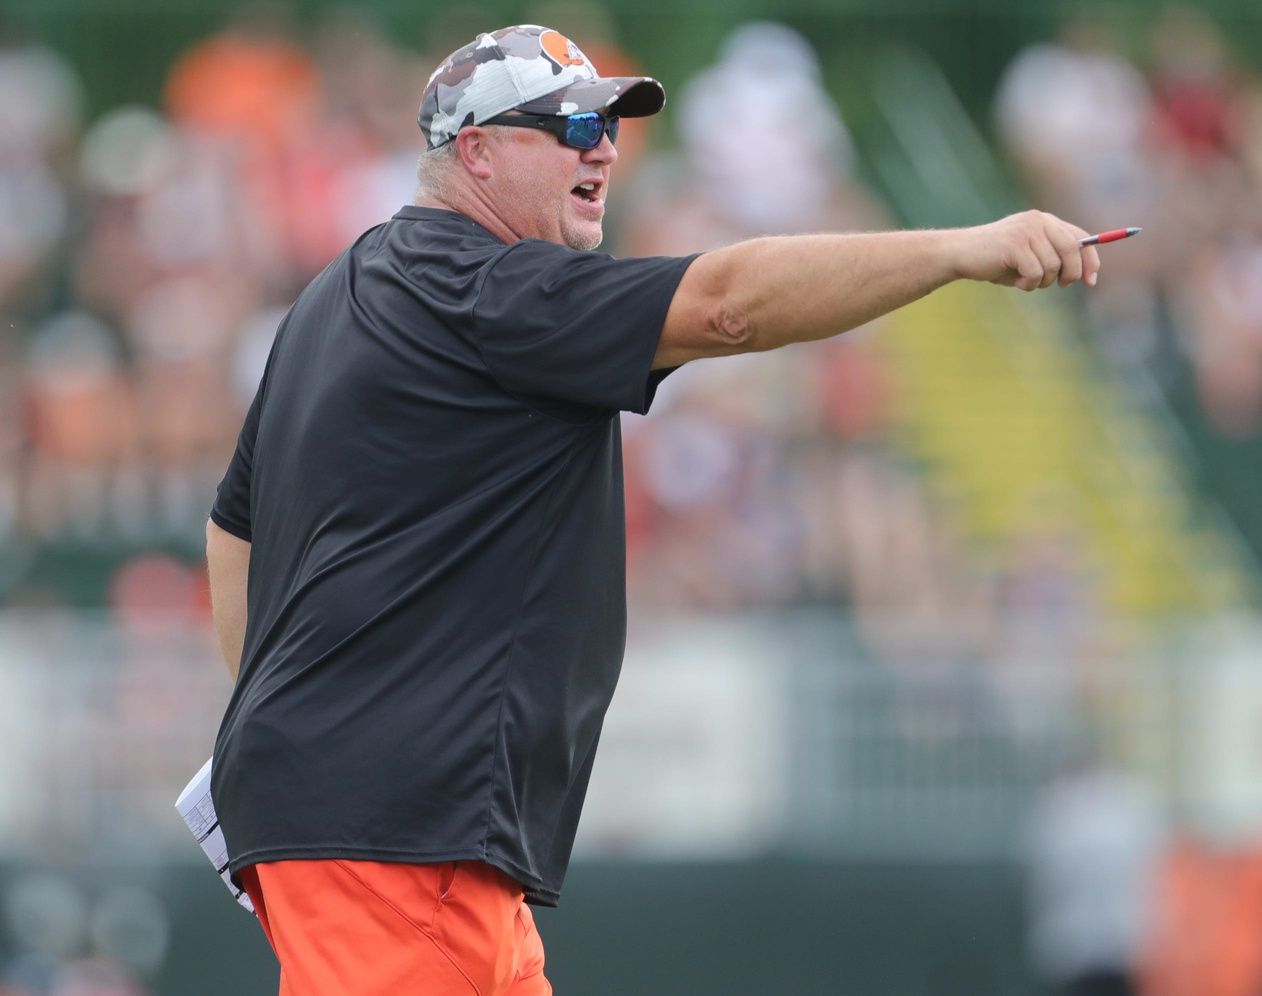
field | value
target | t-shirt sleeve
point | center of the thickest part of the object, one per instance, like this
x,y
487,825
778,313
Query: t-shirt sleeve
x,y
580,328
231,510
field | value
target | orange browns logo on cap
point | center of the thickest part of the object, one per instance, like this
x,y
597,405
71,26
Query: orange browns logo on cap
x,y
560,50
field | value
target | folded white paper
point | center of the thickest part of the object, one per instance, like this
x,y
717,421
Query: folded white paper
x,y
198,810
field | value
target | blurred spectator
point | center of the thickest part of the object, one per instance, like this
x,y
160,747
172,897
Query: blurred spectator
x,y
1198,97
1084,149
162,202
1088,154
255,96
1092,845
786,168
371,92
40,97
80,426
251,82
1205,939
1221,310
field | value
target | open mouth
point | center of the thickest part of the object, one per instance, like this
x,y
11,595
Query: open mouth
x,y
589,192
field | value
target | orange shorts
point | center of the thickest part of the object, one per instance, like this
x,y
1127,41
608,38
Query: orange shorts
x,y
368,928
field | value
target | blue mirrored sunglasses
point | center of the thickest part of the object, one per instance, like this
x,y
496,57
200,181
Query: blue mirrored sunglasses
x,y
578,131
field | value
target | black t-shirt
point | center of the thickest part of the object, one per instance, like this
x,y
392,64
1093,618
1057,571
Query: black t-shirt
x,y
431,480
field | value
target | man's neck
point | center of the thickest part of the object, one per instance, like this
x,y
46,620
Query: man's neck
x,y
472,207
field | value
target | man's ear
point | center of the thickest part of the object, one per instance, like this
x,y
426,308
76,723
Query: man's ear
x,y
473,146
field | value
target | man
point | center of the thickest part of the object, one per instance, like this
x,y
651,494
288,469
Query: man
x,y
427,500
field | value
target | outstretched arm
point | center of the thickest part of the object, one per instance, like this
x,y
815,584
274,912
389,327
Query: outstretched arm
x,y
769,292
228,564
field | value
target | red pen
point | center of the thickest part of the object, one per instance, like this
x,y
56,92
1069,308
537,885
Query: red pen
x,y
1113,236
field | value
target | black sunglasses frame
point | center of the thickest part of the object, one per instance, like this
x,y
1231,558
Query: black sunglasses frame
x,y
559,126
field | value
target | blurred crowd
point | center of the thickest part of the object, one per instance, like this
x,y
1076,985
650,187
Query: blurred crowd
x,y
1169,137
146,259
148,255
1177,143
1167,134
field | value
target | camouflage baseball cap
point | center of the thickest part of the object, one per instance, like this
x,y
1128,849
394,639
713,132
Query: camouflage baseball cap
x,y
527,68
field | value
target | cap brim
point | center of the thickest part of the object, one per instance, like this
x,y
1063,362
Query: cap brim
x,y
632,96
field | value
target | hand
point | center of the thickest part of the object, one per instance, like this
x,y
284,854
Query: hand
x,y
1029,250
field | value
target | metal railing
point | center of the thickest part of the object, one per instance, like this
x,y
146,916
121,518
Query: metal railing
x,y
727,737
